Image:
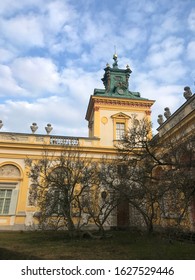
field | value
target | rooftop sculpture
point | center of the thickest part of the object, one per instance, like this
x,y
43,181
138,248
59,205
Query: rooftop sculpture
x,y
167,113
187,92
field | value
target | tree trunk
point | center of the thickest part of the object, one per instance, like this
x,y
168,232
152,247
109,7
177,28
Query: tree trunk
x,y
70,224
150,227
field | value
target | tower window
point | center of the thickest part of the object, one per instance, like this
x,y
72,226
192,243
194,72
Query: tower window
x,y
120,131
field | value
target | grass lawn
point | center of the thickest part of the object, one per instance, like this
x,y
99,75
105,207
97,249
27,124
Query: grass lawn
x,y
123,245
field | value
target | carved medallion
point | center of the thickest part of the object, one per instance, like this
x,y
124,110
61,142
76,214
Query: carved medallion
x,y
104,120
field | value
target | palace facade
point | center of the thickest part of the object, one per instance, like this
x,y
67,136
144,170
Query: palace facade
x,y
109,115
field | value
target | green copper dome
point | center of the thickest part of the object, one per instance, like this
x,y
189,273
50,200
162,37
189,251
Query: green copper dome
x,y
116,82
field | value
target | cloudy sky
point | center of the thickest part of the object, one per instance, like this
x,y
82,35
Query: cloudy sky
x,y
53,52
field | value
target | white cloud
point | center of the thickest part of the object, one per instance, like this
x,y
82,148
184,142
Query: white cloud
x,y
80,84
9,8
164,24
69,41
168,50
171,23
191,20
59,111
191,50
8,85
170,73
164,95
58,13
53,53
6,55
23,30
96,27
37,74
134,36
38,24
66,112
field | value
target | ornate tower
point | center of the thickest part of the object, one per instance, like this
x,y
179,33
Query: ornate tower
x,y
111,109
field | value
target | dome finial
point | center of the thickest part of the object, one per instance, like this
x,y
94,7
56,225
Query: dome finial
x,y
115,56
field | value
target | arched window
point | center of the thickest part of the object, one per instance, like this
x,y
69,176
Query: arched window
x,y
10,176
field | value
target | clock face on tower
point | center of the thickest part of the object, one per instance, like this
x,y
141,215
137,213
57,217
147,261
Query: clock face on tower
x,y
120,90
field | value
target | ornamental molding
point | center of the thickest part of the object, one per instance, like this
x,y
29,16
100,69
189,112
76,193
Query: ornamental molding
x,y
148,113
120,116
127,103
99,101
13,137
96,108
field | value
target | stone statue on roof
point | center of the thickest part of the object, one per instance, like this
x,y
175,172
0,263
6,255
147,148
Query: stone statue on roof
x,y
187,92
167,113
160,119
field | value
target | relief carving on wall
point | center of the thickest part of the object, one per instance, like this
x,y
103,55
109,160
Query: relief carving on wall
x,y
9,170
12,137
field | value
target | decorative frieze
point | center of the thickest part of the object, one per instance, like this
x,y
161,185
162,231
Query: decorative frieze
x,y
128,103
40,139
14,137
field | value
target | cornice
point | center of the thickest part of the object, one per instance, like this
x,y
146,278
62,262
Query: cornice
x,y
127,103
21,152
122,102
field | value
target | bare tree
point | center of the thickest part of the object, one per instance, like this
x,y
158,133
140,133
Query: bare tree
x,y
154,171
58,183
180,173
69,190
105,196
139,160
100,212
155,176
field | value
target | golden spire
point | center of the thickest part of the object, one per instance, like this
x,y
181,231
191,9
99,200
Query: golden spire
x,y
115,56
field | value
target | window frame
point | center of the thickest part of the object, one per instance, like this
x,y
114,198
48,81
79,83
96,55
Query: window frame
x,y
120,130
8,187
119,118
